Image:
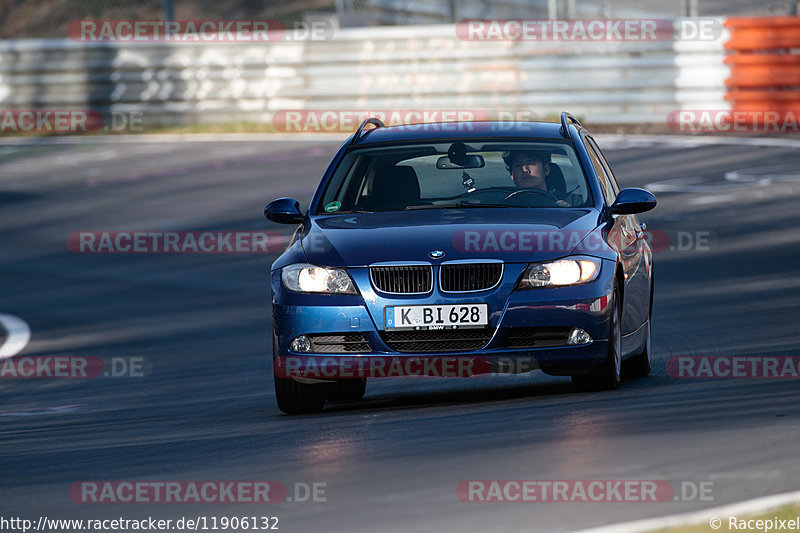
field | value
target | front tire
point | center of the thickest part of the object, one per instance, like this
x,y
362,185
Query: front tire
x,y
295,398
607,375
298,398
639,365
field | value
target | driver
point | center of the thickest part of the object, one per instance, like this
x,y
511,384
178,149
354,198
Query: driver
x,y
529,170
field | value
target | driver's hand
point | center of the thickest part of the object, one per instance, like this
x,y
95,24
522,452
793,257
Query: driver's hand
x,y
562,203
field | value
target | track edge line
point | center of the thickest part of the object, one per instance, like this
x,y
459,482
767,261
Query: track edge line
x,y
756,505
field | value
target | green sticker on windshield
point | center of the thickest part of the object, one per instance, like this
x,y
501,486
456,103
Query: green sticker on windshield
x,y
333,206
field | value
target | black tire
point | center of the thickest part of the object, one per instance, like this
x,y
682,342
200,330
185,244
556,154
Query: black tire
x,y
297,398
347,389
607,375
639,365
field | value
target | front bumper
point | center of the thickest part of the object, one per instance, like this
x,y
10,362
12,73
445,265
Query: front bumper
x,y
512,316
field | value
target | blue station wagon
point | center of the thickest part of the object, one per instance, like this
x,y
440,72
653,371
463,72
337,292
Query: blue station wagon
x,y
461,249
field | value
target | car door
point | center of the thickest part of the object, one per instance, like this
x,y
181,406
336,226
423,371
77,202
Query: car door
x,y
627,237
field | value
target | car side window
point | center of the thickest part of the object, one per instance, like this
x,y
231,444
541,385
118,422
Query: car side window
x,y
600,169
606,164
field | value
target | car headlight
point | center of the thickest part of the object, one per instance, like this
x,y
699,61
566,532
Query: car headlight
x,y
572,271
310,278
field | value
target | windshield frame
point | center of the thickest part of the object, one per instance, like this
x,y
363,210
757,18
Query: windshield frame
x,y
572,150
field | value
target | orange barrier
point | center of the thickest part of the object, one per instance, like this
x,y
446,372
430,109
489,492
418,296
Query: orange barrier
x,y
765,64
764,70
763,33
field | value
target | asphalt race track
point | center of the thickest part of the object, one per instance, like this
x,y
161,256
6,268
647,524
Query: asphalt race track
x,y
206,409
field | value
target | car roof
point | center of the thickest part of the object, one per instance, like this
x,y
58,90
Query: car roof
x,y
461,130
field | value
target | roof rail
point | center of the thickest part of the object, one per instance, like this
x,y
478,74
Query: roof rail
x,y
566,118
371,120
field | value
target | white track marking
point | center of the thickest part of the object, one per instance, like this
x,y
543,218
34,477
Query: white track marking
x,y
743,178
714,199
764,175
699,140
18,335
739,509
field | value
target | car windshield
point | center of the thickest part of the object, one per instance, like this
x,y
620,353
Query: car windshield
x,y
449,175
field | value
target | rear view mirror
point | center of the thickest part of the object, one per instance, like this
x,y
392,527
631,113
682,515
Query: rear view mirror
x,y
469,161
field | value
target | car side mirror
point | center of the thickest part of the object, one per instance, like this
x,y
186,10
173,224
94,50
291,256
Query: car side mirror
x,y
631,201
284,211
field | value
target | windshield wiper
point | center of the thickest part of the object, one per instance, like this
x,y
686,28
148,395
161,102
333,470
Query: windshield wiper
x,y
350,211
489,205
454,206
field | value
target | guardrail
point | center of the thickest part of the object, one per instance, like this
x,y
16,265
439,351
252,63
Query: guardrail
x,y
412,67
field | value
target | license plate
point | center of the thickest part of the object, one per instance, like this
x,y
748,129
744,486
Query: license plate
x,y
436,316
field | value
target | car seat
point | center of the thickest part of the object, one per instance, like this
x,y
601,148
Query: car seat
x,y
393,189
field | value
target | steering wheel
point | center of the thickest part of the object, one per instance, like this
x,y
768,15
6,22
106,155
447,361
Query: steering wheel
x,y
538,192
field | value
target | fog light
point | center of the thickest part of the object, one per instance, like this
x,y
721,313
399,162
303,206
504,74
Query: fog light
x,y
578,336
300,344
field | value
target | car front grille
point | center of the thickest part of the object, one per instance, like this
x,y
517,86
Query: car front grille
x,y
418,279
446,340
534,337
469,277
402,279
339,343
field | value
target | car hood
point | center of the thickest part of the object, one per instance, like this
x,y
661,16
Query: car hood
x,y
512,235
